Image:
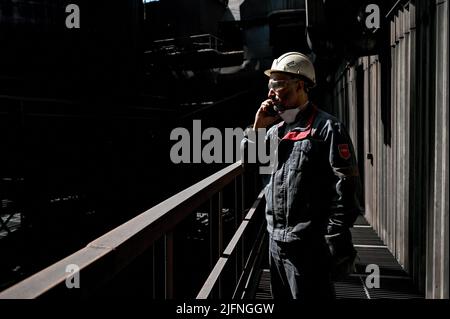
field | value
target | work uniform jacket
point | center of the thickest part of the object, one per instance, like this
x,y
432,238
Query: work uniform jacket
x,y
314,186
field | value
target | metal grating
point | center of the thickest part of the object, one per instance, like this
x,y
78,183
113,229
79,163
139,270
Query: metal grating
x,y
263,291
350,288
394,281
394,288
365,236
381,257
361,221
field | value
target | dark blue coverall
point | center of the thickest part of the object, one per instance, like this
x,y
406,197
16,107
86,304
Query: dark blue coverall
x,y
312,199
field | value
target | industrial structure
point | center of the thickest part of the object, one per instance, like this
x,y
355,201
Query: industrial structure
x,y
87,106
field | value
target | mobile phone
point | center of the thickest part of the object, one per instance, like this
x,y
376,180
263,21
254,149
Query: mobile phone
x,y
271,110
276,105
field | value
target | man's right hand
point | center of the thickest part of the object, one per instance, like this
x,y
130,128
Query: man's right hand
x,y
264,117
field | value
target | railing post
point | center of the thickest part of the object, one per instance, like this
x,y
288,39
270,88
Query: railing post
x,y
242,257
236,225
153,272
220,224
212,239
216,234
168,256
159,268
220,233
239,217
211,221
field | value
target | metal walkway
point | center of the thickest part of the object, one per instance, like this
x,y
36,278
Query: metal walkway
x,y
394,281
144,250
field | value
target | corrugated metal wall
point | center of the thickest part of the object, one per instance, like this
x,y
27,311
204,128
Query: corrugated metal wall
x,y
430,192
437,256
397,210
401,97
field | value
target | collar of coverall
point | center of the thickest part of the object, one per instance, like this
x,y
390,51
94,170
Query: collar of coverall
x,y
298,133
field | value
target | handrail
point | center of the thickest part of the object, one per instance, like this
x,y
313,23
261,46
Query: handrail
x,y
103,258
213,277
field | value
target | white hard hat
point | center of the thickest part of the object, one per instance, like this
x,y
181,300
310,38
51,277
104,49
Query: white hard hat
x,y
294,63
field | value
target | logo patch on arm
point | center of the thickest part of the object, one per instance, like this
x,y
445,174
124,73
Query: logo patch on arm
x,y
344,151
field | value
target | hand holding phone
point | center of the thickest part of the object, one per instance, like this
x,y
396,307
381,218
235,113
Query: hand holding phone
x,y
272,110
266,115
278,107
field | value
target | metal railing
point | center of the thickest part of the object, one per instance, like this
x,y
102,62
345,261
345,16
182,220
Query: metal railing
x,y
246,284
103,259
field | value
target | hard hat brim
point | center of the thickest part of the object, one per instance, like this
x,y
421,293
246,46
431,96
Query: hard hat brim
x,y
268,72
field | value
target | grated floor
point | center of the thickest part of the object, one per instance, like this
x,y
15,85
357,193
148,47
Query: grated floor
x,y
394,282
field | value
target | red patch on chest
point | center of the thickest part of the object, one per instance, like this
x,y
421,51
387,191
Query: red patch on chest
x,y
344,151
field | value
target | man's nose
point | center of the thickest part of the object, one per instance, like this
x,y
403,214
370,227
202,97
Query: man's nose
x,y
271,93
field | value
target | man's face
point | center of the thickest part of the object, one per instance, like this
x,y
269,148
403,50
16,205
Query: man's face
x,y
283,90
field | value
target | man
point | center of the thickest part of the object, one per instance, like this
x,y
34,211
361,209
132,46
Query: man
x,y
312,192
